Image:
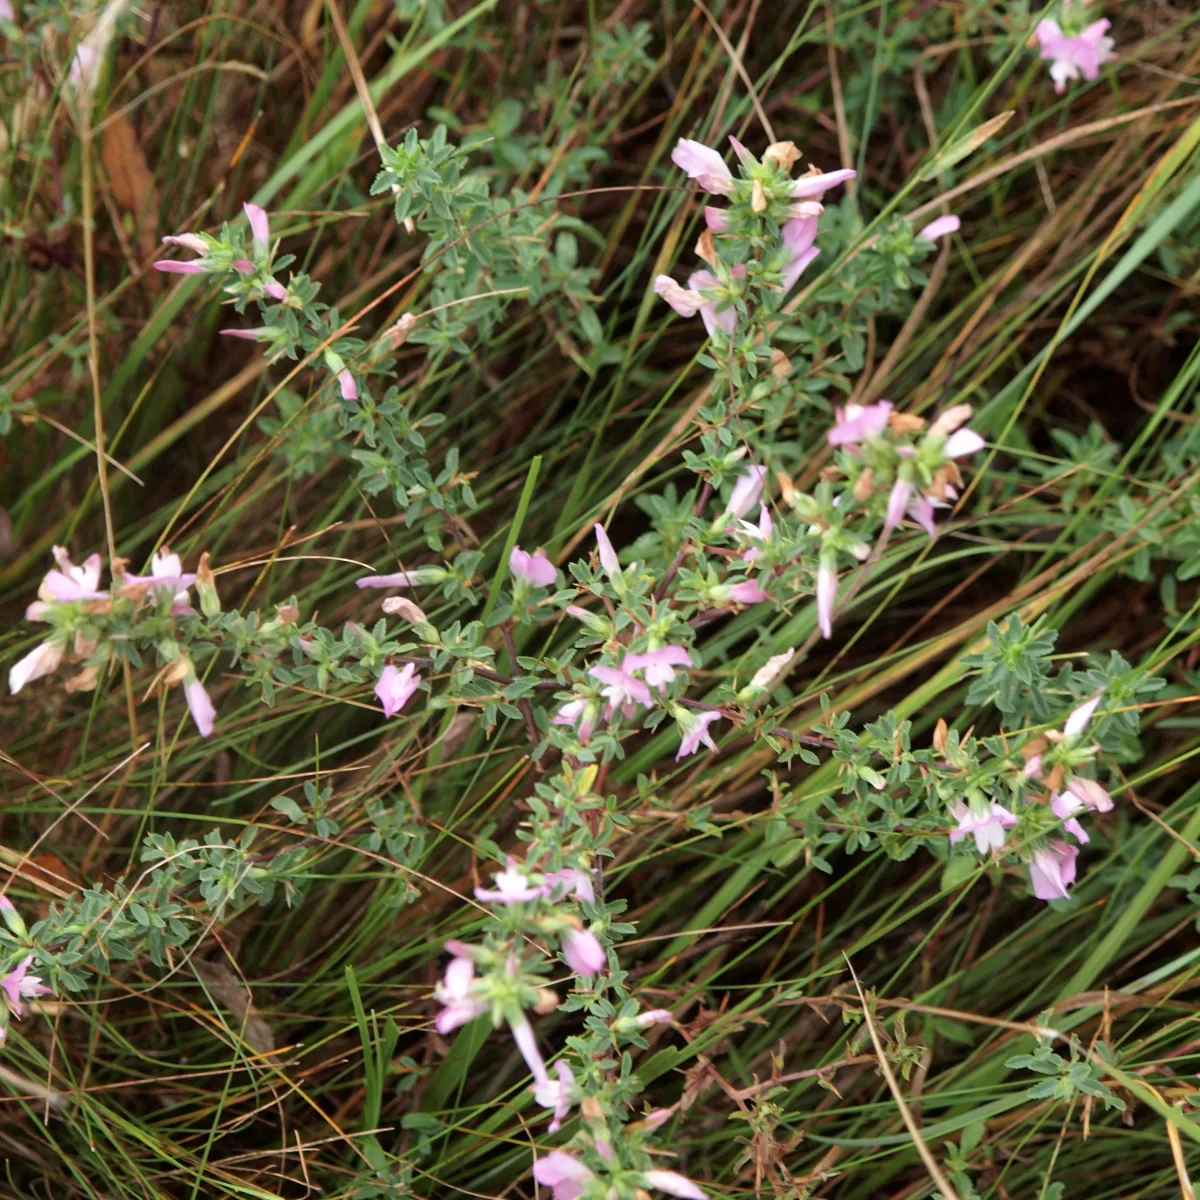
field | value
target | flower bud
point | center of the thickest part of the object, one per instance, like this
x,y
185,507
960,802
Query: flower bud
x,y
781,365
12,918
547,1001
950,420
902,422
289,614
596,623
85,681
940,733
758,197
402,607
397,334
206,588
864,485
591,1109
177,671
783,153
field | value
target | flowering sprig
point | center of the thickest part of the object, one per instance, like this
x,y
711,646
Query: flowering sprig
x,y
1075,47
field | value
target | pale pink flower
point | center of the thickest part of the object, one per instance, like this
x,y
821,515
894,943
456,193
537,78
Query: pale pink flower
x,y
813,187
347,385
858,422
940,227
274,289
655,1118
244,266
747,592
395,688
759,533
19,986
1052,870
557,1094
396,579
512,887
684,301
696,734
578,713
563,1174
1065,806
70,582
522,1033
622,690
658,666
259,228
85,68
726,318
716,219
770,671
608,556
1090,793
456,994
1033,768
172,267
189,241
799,236
259,333
826,597
673,1184
583,953
199,705
746,491
1070,57
534,568
654,1016
987,829
43,659
921,511
167,574
703,164
1077,721
963,442
577,883
897,504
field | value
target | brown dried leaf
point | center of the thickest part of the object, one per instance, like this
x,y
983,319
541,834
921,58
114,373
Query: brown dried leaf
x,y
226,987
131,181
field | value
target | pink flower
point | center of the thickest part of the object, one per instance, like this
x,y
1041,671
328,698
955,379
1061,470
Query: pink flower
x,y
512,887
673,1184
704,165
563,1174
988,830
189,241
19,986
716,219
395,688
347,385
557,1093
455,994
746,491
1070,57
1065,807
199,705
583,953
608,556
658,666
70,582
172,267
940,227
799,236
396,579
576,882
759,533
897,503
1077,721
921,511
578,713
243,265
259,228
726,318
1090,793
858,422
813,187
1052,870
683,300
826,597
695,734
534,568
167,574
260,333
522,1033
41,660
747,592
963,442
622,690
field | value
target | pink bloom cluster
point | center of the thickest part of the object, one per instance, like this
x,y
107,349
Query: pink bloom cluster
x,y
18,985
535,569
396,687
706,166
1070,57
568,1178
